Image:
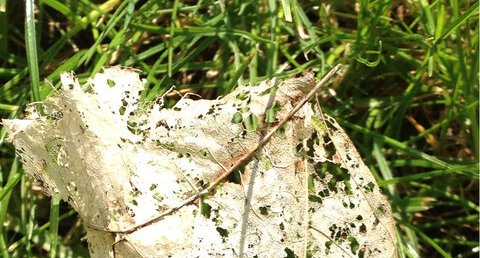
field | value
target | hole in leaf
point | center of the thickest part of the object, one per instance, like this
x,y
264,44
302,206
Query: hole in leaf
x,y
271,113
315,198
264,209
242,95
110,83
339,176
237,118
361,253
244,109
328,244
236,176
166,145
363,229
290,253
211,110
223,232
310,145
311,183
281,131
332,185
133,128
203,153
354,246
121,110
324,193
251,123
205,209
369,187
320,170
381,210
299,150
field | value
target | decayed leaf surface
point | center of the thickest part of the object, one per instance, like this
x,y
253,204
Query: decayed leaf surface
x,y
306,192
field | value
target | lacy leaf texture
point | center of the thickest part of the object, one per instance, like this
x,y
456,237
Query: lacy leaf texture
x,y
128,169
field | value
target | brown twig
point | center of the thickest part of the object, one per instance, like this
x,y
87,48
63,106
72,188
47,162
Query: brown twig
x,y
241,161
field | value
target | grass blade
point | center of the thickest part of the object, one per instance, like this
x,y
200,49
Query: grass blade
x,y
54,219
31,44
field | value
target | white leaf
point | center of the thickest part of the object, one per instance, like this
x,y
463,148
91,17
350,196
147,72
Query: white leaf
x,y
121,167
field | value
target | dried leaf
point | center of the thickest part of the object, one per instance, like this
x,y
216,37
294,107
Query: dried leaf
x,y
305,193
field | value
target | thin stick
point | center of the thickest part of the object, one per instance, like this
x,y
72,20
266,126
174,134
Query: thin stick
x,y
241,161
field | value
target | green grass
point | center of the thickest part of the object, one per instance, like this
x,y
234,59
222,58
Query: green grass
x,y
408,95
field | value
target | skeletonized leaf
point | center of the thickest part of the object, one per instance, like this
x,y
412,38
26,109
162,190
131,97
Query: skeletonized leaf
x,y
134,174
